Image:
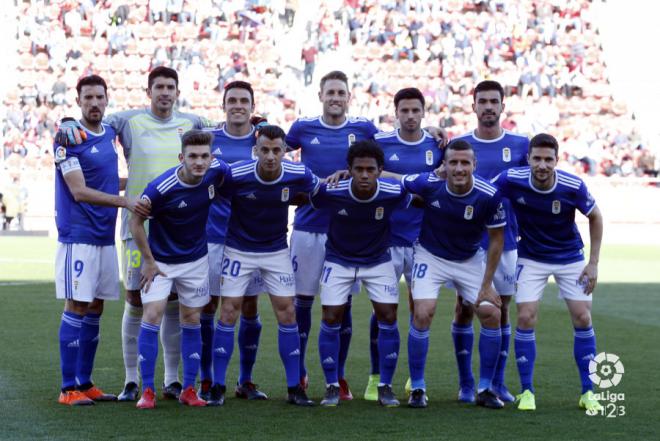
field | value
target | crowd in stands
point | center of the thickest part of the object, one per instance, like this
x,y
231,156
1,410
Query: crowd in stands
x,y
545,53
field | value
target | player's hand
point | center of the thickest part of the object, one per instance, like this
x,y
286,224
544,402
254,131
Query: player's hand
x,y
441,172
141,207
337,176
489,295
70,132
149,272
589,278
439,134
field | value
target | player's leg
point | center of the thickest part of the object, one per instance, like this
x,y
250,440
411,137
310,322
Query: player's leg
x,y
504,282
249,333
307,259
462,335
345,336
170,340
584,340
336,284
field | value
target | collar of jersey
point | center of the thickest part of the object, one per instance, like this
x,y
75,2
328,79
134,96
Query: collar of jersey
x,y
158,118
403,141
364,201
258,178
183,184
460,195
328,126
533,187
229,135
101,133
499,138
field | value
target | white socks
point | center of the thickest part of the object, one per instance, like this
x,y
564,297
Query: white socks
x,y
130,329
170,338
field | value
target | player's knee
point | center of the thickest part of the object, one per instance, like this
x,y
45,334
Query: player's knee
x,y
133,298
229,312
526,319
189,316
582,319
249,307
489,316
463,314
422,317
76,307
152,314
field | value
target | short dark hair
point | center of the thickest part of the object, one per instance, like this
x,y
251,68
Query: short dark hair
x,y
365,149
544,140
196,137
488,85
91,80
409,93
162,71
271,131
334,75
238,85
459,145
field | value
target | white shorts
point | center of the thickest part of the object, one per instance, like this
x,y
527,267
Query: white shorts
x,y
504,279
238,268
430,272
216,252
337,282
402,259
86,272
533,276
191,280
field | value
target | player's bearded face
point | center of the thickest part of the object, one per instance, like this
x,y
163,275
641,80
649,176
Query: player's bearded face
x,y
92,101
335,98
488,106
410,112
238,106
196,160
365,173
460,168
542,161
163,93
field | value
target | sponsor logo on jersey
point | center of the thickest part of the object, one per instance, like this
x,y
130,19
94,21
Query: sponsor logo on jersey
x,y
429,157
380,211
521,201
351,139
506,154
60,154
469,212
500,214
211,191
285,194
251,196
217,151
342,212
94,149
556,207
435,204
315,141
394,157
183,204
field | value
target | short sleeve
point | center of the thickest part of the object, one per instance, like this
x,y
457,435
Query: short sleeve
x,y
372,130
220,169
311,182
320,198
152,194
416,183
585,201
292,138
226,187
501,182
497,213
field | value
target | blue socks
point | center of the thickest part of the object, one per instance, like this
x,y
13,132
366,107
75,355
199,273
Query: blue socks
x,y
89,341
329,351
498,378
148,353
373,344
249,332
418,348
490,341
345,334
525,346
69,343
191,348
388,348
584,350
206,321
463,337
304,318
223,347
288,341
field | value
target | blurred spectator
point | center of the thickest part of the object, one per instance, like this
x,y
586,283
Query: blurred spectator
x,y
309,56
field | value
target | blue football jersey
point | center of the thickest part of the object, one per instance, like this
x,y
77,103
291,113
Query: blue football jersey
x,y
493,157
80,222
404,157
260,209
230,149
359,230
323,149
177,230
453,225
547,218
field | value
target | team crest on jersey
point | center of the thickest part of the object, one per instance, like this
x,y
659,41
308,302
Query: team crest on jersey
x,y
556,207
506,154
429,157
351,139
211,191
180,131
380,211
469,212
60,154
285,194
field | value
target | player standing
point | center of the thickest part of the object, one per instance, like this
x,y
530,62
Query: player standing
x,y
457,211
176,255
87,188
260,191
496,150
545,200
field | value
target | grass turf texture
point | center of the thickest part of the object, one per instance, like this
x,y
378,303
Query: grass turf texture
x,y
625,319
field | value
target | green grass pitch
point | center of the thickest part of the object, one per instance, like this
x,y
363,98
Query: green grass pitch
x,y
625,318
